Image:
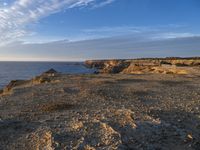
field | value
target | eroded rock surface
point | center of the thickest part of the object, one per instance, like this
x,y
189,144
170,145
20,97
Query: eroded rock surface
x,y
149,65
46,77
104,111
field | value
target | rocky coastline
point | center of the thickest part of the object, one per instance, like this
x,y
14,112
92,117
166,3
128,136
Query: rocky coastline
x,y
127,105
172,65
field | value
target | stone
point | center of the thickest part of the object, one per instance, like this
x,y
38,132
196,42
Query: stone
x,y
141,66
51,71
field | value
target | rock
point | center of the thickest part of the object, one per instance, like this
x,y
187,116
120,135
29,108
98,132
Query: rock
x,y
46,77
87,147
140,66
1,91
41,139
189,136
51,71
102,112
13,84
77,125
99,134
41,79
108,66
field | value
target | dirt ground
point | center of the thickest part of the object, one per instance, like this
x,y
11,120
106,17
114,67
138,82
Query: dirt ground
x,y
125,112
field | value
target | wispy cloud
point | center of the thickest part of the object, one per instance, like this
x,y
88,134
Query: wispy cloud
x,y
103,3
158,32
137,29
15,17
172,35
117,29
105,48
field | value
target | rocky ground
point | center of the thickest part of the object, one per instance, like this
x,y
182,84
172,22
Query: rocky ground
x,y
104,111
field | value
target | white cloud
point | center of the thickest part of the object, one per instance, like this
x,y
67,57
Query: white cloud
x,y
104,48
158,32
5,4
120,29
15,17
103,3
172,35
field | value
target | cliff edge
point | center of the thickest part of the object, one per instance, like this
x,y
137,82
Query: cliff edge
x,y
94,112
172,65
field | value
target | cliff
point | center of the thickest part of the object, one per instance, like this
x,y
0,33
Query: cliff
x,y
94,112
145,65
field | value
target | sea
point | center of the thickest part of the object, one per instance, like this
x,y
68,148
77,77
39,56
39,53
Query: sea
x,y
27,70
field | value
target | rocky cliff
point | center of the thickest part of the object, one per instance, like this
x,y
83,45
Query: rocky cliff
x,y
46,77
94,112
146,65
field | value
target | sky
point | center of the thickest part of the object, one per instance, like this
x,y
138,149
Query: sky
x,y
76,30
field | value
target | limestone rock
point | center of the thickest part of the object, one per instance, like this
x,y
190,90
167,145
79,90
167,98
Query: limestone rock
x,y
141,66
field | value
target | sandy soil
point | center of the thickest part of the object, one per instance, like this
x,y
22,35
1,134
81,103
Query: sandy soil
x,y
150,112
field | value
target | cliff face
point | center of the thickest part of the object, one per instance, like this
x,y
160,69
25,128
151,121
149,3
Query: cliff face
x,y
108,66
139,66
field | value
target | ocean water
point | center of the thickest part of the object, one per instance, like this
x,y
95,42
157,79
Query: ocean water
x,y
26,70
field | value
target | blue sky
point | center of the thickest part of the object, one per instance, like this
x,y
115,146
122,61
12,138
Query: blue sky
x,y
71,30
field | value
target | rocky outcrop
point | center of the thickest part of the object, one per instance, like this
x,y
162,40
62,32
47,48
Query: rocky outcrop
x,y
45,77
51,72
94,112
13,84
108,66
149,65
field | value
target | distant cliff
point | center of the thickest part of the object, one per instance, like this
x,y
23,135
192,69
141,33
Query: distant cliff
x,y
172,65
